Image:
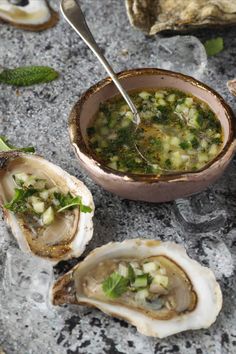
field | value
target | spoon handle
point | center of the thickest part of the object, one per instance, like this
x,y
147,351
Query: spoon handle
x,y
74,16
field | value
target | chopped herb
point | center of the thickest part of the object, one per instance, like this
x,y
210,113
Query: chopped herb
x,y
216,141
28,75
195,143
5,146
115,285
131,274
214,46
69,202
18,203
184,145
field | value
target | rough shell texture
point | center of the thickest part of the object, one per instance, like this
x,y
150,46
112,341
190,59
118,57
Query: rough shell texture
x,y
154,16
82,232
37,15
209,297
232,86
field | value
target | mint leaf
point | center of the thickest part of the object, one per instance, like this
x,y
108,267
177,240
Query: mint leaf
x,y
115,285
5,146
28,75
214,46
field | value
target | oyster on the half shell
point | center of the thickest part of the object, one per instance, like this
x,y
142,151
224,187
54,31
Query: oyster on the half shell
x,y
33,15
154,16
38,203
169,292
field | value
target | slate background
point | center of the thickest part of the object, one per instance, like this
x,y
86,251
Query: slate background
x,y
204,223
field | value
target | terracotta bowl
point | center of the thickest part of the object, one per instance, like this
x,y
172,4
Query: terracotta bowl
x,y
150,188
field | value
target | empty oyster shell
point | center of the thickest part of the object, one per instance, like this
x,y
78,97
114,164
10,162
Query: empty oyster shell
x,y
38,227
159,15
32,15
182,294
232,86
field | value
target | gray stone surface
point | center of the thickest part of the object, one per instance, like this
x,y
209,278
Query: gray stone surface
x,y
204,223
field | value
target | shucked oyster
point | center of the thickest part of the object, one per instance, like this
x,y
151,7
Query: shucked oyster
x,y
33,15
154,16
49,211
153,285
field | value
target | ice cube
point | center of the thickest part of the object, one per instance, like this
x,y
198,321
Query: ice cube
x,y
27,278
185,54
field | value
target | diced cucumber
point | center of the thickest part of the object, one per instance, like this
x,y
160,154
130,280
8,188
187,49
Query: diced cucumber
x,y
162,102
144,95
213,149
114,158
125,123
159,94
141,281
175,141
188,101
123,270
204,144
161,280
171,98
176,159
129,115
203,157
21,177
48,216
44,194
149,267
141,295
113,165
38,205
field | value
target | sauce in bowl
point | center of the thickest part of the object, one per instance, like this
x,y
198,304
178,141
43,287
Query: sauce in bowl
x,y
178,132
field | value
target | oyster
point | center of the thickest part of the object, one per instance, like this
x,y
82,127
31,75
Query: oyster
x,y
33,15
154,16
49,211
153,285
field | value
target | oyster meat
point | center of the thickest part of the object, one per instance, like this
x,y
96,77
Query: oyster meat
x,y
49,211
33,15
154,16
153,285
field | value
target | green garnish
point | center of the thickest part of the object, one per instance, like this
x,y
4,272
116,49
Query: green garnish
x,y
184,145
28,75
68,201
214,46
115,285
18,204
5,146
131,274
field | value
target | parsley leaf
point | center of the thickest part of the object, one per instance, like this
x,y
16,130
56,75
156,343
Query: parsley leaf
x,y
68,201
5,146
115,285
214,46
18,204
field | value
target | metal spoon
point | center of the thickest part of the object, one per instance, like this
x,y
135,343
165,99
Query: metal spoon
x,y
74,16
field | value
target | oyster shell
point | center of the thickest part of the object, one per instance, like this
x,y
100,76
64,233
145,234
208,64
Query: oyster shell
x,y
154,16
232,86
191,300
69,232
33,15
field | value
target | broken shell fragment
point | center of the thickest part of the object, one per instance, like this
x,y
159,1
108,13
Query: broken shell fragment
x,y
160,15
151,284
49,211
32,15
232,86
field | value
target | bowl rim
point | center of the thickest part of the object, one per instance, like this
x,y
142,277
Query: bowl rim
x,y
77,139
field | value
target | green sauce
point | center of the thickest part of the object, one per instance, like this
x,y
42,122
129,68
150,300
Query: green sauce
x,y
178,132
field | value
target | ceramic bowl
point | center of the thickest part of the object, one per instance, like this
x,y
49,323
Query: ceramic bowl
x,y
150,188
